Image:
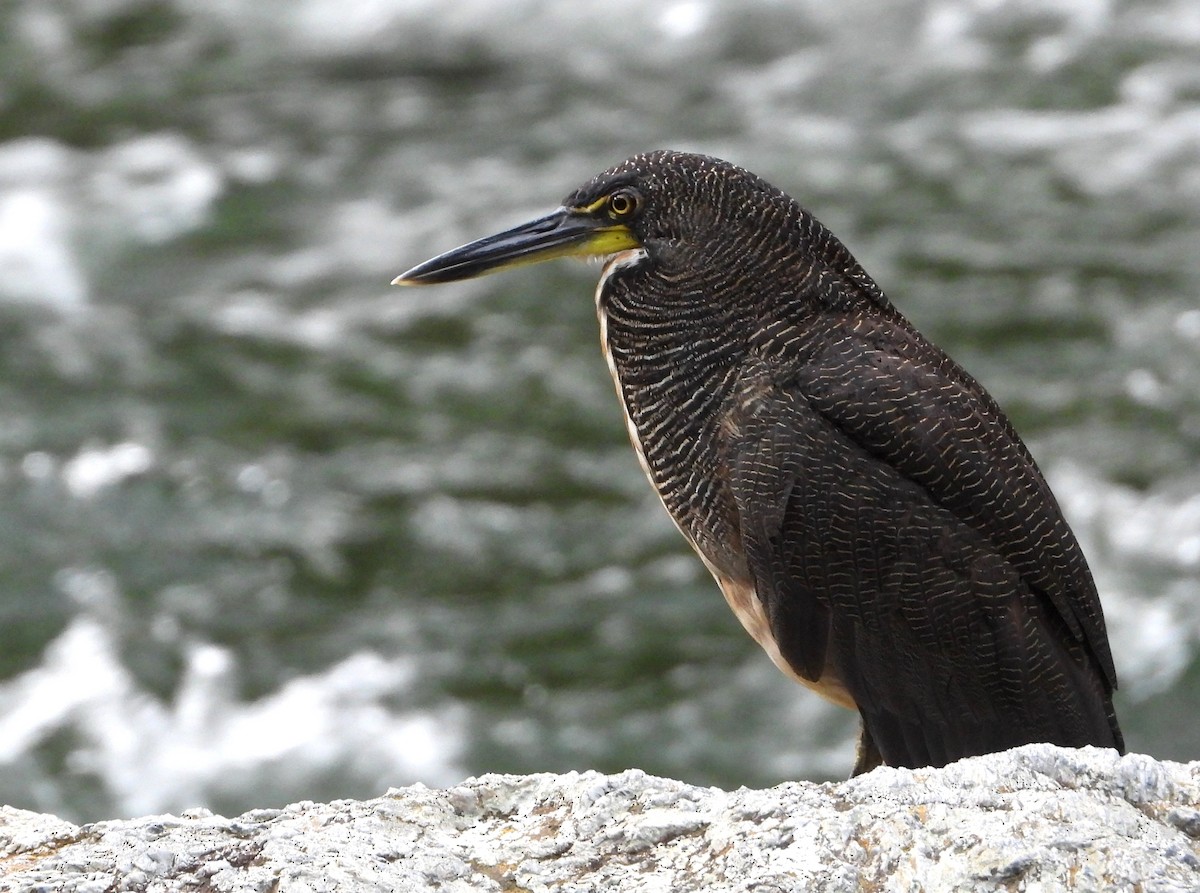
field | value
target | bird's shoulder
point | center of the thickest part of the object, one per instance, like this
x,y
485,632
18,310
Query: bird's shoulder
x,y
871,374
893,392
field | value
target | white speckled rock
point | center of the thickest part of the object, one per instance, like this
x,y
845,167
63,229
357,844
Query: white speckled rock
x,y
1038,818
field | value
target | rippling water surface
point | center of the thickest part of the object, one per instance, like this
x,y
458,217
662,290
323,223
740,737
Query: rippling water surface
x,y
272,530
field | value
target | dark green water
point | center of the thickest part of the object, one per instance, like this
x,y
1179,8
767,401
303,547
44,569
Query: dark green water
x,y
273,530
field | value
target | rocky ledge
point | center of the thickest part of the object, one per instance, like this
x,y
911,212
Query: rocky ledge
x,y
1038,818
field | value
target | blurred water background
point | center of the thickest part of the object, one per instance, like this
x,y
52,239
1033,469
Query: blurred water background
x,y
273,530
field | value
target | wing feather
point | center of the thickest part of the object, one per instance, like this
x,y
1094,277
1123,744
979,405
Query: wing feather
x,y
900,536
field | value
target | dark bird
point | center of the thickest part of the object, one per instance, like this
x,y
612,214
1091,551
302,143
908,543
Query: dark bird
x,y
870,514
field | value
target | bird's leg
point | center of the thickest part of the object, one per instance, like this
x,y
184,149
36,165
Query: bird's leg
x,y
868,755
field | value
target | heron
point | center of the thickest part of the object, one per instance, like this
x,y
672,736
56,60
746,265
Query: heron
x,y
866,508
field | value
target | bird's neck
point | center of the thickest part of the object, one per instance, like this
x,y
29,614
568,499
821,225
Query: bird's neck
x,y
677,336
674,353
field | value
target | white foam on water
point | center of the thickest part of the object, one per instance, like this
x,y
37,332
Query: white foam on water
x,y
158,186
1154,634
37,263
154,756
680,21
96,467
57,205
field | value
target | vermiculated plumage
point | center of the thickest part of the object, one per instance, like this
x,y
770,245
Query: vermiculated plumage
x,y
867,509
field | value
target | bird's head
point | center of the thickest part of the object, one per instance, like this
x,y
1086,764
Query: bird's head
x,y
694,217
670,204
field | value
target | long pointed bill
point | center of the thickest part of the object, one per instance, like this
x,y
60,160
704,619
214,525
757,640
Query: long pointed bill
x,y
564,233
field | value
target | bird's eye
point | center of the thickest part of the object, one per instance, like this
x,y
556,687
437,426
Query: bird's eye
x,y
622,204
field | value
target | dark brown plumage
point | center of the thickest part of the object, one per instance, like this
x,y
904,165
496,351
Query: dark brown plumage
x,y
870,514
